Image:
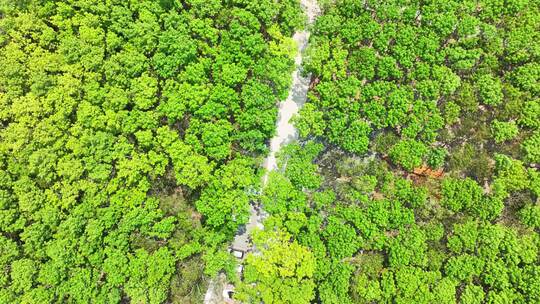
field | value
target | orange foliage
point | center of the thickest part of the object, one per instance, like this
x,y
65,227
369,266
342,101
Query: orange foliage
x,y
428,172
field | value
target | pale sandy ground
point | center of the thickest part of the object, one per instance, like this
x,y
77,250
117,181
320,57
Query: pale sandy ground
x,y
285,133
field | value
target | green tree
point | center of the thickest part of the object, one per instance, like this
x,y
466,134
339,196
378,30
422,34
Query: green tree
x,y
408,153
490,90
531,148
341,238
530,115
473,294
281,273
451,112
126,130
503,131
461,194
22,275
280,195
310,121
436,157
530,215
298,163
225,202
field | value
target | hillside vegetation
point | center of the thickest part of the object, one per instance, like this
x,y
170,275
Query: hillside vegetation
x,y
132,135
416,180
129,135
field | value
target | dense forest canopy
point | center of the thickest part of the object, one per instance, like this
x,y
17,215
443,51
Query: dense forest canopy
x,y
129,131
132,134
416,179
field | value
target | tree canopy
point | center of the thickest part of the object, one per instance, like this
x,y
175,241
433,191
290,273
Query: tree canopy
x,y
427,188
132,135
129,132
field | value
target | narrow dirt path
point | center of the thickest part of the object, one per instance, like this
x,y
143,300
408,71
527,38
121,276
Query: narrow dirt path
x,y
285,133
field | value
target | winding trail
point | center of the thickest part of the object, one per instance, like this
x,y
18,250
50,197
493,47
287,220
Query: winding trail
x,y
286,132
218,291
